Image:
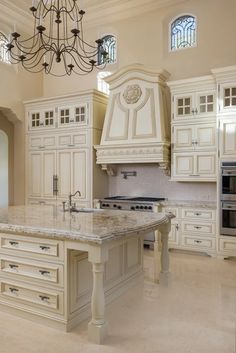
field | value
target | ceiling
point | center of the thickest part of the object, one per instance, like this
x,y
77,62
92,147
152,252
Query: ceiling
x,y
96,10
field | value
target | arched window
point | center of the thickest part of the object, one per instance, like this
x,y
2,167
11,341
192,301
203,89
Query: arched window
x,y
183,32
110,46
101,84
4,56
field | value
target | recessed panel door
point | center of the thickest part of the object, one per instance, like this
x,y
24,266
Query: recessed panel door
x,y
49,174
79,177
64,173
35,174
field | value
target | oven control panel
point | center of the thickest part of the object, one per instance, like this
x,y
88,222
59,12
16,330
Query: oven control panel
x,y
127,206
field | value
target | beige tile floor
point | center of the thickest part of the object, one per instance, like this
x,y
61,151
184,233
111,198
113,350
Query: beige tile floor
x,y
194,313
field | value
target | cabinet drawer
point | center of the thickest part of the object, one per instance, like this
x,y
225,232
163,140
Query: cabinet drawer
x,y
201,243
199,228
45,300
73,139
42,142
42,248
198,214
45,273
228,245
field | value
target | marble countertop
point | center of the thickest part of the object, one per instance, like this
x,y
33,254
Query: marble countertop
x,y
97,227
189,203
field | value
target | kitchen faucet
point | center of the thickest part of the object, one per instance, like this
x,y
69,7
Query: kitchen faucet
x,y
70,206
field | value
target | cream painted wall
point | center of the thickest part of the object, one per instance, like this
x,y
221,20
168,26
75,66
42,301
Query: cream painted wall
x,y
15,87
144,40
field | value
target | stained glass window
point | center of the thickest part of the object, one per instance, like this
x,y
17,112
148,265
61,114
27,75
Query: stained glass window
x,y
110,47
4,56
183,32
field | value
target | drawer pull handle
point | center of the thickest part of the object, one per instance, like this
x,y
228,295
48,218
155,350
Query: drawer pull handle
x,y
43,273
197,214
44,248
13,266
13,290
44,298
197,227
71,145
197,241
13,243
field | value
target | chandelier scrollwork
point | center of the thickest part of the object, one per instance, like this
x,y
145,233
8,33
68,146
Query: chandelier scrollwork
x,y
57,39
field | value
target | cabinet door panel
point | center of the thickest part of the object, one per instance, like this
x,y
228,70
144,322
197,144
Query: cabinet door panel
x,y
79,173
49,170
183,137
64,173
228,138
206,136
35,174
205,102
183,106
206,164
183,165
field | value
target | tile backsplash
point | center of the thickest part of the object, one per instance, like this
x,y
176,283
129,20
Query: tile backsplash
x,y
151,181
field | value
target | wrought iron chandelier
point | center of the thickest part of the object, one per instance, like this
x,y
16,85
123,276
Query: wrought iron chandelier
x,y
57,39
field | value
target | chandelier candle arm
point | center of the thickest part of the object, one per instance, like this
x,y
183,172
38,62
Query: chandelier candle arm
x,y
57,40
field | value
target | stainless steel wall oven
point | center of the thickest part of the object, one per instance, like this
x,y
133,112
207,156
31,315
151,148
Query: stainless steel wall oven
x,y
228,198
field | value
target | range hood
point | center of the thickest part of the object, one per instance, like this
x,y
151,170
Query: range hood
x,y
137,122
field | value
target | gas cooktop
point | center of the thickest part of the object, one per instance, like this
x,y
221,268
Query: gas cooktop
x,y
138,199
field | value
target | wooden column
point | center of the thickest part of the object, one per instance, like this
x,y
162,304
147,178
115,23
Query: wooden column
x,y
97,327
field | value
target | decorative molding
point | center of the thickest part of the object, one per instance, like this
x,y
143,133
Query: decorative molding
x,y
132,94
110,169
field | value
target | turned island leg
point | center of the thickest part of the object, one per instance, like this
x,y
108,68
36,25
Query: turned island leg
x,y
164,230
97,327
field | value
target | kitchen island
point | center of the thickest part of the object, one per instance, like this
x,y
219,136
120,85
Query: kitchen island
x,y
57,268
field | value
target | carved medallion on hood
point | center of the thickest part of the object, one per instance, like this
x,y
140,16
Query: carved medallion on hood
x,y
132,94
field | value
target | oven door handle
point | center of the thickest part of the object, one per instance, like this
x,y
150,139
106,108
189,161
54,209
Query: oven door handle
x,y
229,208
228,173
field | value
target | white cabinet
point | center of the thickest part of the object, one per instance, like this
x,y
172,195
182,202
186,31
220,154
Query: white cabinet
x,y
194,228
227,97
194,137
194,132
194,166
59,157
228,137
42,171
41,119
193,105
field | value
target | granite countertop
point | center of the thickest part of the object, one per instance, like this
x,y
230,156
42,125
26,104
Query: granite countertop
x,y
97,227
189,203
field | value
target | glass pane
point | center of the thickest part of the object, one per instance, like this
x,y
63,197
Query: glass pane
x,y
183,32
227,102
203,99
187,110
202,108
187,101
180,111
227,92
234,91
180,102
210,107
210,98
234,101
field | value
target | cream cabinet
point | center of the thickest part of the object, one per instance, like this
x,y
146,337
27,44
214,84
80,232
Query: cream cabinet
x,y
59,155
194,166
194,131
228,137
193,105
194,137
227,97
194,228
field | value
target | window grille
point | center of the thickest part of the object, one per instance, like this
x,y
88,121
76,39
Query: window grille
x,y
101,84
183,32
110,46
4,56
